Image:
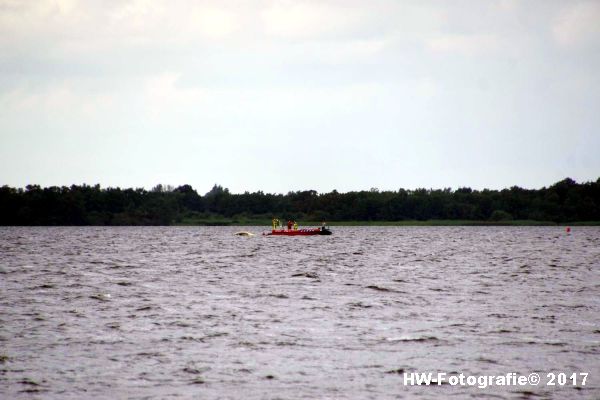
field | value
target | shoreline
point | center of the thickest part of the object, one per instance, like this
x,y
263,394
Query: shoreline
x,y
260,222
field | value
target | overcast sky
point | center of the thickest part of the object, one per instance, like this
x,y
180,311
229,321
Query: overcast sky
x,y
297,95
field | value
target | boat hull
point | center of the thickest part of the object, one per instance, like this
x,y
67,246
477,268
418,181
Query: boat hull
x,y
300,232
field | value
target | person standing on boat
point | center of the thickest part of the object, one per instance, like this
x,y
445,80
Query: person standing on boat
x,y
289,224
295,226
275,222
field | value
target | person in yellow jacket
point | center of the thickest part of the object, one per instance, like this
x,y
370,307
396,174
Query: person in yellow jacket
x,y
275,223
295,226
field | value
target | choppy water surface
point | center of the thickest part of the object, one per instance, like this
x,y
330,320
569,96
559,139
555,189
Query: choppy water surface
x,y
198,312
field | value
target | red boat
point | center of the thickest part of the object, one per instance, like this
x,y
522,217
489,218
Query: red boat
x,y
300,232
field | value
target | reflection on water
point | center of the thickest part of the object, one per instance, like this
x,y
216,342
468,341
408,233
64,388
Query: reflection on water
x,y
165,311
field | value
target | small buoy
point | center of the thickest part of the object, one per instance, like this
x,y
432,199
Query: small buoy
x,y
568,230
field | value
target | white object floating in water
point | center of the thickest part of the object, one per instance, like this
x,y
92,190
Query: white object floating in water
x,y
244,233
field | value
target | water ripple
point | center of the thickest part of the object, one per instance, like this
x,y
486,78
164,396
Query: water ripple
x,y
159,312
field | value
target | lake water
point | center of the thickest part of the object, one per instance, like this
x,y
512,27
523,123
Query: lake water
x,y
180,312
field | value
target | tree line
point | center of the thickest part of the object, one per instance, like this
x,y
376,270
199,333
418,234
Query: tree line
x,y
562,202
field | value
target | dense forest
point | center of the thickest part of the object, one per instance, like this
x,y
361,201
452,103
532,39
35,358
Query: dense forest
x,y
565,201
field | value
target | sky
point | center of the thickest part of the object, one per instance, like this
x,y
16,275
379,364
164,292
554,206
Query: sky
x,y
299,95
